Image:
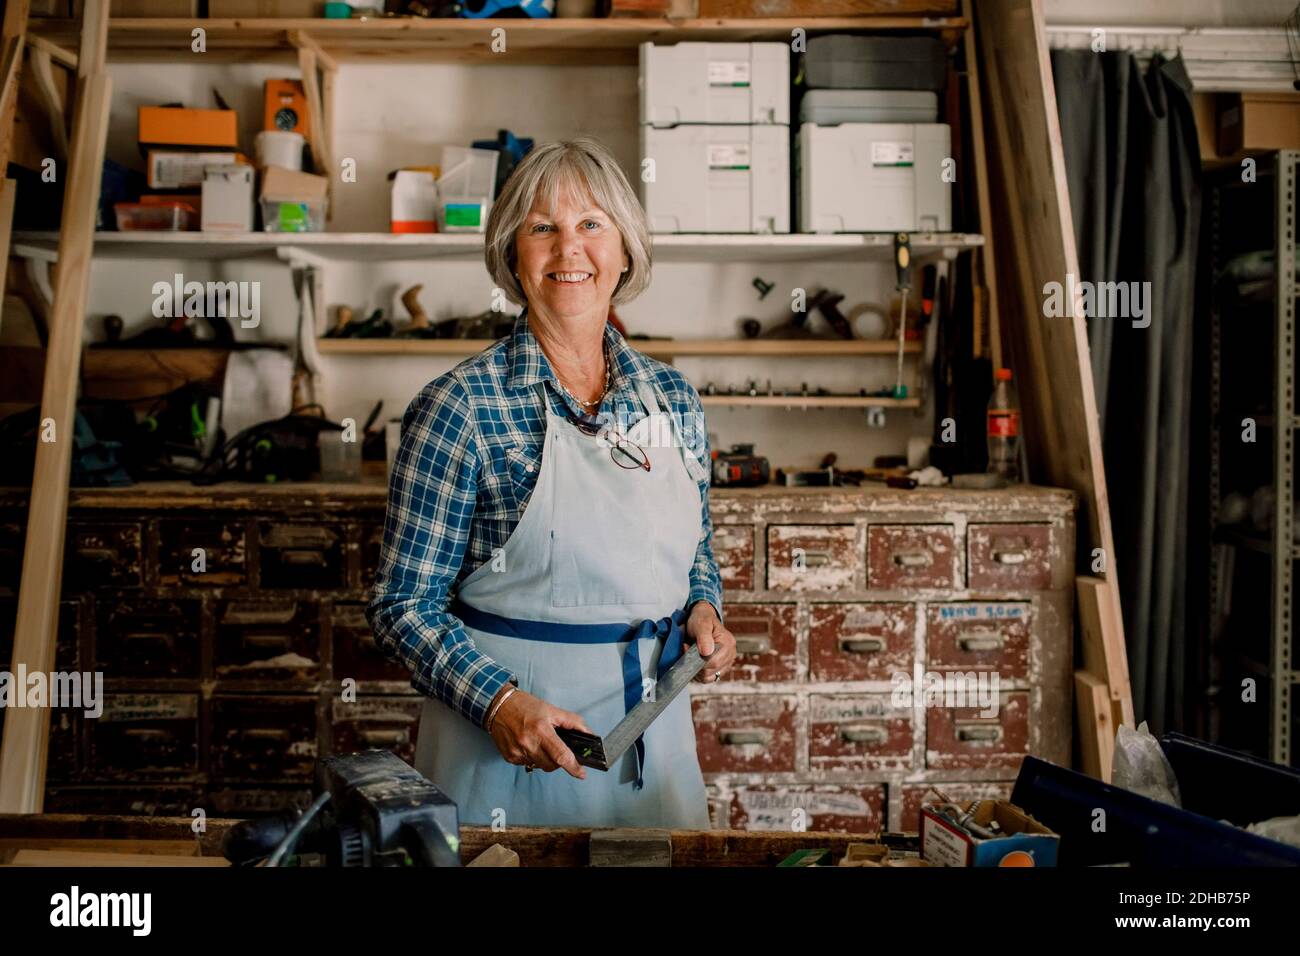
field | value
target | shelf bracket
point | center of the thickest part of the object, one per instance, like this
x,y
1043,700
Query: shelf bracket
x,y
320,106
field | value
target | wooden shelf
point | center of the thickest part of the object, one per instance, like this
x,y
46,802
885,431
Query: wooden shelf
x,y
812,401
657,348
551,41
467,247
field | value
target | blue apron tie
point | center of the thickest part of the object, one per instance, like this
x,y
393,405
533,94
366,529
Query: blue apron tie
x,y
670,628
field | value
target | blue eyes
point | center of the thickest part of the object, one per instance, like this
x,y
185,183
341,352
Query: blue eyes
x,y
592,222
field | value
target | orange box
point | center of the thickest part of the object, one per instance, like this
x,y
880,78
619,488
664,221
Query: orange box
x,y
178,126
286,107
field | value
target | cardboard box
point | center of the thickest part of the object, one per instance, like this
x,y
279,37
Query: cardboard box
x,y
1026,843
270,9
227,198
181,169
162,126
289,185
1258,121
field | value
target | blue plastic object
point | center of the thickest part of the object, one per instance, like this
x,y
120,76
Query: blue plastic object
x,y
481,9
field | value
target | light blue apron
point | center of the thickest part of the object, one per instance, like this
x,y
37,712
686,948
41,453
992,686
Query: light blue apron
x,y
597,545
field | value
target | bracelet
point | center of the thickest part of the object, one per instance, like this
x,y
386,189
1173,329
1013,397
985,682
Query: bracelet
x,y
497,706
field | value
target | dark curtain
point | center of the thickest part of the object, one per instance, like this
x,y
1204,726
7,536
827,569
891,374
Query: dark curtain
x,y
1133,167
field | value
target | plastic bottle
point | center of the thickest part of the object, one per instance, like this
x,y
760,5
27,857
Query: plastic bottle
x,y
1004,427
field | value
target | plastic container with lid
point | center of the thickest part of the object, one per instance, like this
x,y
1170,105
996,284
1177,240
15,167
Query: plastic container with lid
x,y
162,216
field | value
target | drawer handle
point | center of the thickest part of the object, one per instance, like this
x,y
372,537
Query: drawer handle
x,y
864,735
1009,556
97,554
146,733
971,734
913,559
303,558
751,645
862,645
383,738
147,637
266,642
816,559
266,733
981,641
259,614
736,738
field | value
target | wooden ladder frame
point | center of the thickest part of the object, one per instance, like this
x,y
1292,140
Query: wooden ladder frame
x,y
26,732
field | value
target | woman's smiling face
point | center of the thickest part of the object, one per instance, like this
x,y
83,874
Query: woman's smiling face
x,y
570,258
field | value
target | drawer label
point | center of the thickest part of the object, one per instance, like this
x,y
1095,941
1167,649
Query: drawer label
x,y
775,810
980,612
886,153
728,156
728,73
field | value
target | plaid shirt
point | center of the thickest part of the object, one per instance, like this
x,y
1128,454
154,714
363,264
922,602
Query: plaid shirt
x,y
453,497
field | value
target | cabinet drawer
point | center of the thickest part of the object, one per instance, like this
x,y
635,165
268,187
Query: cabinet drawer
x,y
858,732
917,795
1010,557
263,738
103,555
197,553
356,655
267,640
960,737
979,637
911,556
67,648
146,638
63,761
145,734
765,642
733,549
300,555
744,734
383,723
791,807
861,641
811,557
372,544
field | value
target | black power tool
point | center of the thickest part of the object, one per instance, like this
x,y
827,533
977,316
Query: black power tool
x,y
740,467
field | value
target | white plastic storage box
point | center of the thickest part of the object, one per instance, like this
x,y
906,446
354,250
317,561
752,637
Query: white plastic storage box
x,y
717,178
714,83
833,107
873,177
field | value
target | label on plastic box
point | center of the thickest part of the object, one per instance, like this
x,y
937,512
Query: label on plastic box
x,y
728,73
891,154
728,156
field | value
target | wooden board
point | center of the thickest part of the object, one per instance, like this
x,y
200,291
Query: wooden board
x,y
87,858
1035,237
1096,725
1104,654
26,730
126,374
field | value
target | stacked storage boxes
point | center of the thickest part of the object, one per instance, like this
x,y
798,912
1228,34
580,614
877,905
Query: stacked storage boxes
x,y
869,156
715,137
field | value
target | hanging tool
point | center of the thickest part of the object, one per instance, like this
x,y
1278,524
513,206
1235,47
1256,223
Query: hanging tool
x,y
903,271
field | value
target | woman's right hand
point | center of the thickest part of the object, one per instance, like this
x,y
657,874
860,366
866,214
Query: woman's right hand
x,y
524,732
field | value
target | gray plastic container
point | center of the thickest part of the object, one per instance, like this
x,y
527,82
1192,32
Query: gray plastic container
x,y
843,62
833,107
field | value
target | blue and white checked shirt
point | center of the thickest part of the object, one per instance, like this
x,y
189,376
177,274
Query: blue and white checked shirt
x,y
468,461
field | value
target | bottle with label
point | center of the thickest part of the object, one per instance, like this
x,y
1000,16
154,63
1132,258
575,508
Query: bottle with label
x,y
1004,427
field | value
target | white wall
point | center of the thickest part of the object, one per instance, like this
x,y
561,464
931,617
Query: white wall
x,y
389,116
1177,13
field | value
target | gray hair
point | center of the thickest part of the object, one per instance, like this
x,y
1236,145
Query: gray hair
x,y
578,166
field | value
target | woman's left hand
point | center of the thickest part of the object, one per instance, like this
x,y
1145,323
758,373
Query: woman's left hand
x,y
716,642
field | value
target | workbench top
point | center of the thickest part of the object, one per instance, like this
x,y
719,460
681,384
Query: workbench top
x,y
372,491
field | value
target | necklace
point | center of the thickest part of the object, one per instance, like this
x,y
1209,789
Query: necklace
x,y
595,401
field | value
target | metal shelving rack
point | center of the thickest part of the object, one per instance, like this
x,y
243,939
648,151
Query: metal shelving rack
x,y
1283,679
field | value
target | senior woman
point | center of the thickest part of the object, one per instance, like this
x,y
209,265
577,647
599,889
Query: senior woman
x,y
558,483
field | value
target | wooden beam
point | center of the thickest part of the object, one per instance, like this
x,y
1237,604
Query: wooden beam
x,y
26,731
13,34
300,40
1096,725
317,134
987,302
55,109
60,55
1035,238
1104,654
